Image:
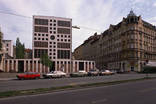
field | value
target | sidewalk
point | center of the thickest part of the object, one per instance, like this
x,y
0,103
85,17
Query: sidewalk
x,y
7,76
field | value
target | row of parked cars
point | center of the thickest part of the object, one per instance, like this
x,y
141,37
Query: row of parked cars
x,y
60,74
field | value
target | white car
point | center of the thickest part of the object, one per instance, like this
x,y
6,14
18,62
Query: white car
x,y
55,74
79,74
106,72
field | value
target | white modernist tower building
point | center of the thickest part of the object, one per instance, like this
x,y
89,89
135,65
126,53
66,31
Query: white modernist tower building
x,y
53,36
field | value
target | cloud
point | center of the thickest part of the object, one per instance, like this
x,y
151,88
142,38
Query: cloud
x,y
84,13
154,4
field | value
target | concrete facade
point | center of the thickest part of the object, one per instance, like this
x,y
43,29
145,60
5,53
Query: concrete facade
x,y
29,65
51,36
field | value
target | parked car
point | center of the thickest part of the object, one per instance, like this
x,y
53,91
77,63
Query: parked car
x,y
28,75
55,74
106,72
93,72
79,74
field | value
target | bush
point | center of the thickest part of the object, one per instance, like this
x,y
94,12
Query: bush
x,y
148,69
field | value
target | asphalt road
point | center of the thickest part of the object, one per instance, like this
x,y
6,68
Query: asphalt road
x,y
142,92
46,83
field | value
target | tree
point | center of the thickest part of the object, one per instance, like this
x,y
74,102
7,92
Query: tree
x,y
46,61
19,49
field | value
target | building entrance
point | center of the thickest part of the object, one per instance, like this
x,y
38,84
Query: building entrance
x,y
81,65
20,66
52,68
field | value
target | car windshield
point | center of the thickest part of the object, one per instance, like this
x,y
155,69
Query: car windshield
x,y
52,72
92,70
29,73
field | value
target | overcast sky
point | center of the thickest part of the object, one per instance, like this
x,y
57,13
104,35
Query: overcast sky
x,y
94,14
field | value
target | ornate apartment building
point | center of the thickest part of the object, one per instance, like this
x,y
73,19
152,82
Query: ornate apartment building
x,y
126,46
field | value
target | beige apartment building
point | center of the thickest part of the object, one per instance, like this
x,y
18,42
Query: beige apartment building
x,y
126,46
8,44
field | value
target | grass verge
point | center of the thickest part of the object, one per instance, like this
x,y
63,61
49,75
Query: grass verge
x,y
52,89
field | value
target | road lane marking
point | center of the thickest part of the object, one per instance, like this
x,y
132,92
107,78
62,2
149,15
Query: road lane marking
x,y
147,90
98,101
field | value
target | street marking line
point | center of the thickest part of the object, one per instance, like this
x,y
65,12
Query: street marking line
x,y
147,90
99,101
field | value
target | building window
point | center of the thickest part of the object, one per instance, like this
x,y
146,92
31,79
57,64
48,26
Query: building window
x,y
40,44
63,45
41,29
52,37
39,52
41,21
63,31
63,54
63,23
42,34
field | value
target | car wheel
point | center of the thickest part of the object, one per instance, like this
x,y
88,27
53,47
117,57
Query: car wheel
x,y
63,76
21,78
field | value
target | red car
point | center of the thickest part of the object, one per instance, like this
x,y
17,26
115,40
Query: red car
x,y
28,75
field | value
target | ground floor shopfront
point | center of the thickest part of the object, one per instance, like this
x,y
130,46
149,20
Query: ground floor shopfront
x,y
127,65
29,65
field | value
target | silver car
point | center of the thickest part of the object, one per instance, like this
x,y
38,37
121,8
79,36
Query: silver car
x,y
55,74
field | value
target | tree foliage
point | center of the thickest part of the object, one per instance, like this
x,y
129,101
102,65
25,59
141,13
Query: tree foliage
x,y
45,60
19,49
